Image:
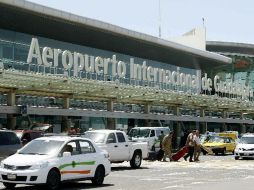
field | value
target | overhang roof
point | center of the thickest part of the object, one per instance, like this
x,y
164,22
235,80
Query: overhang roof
x,y
230,47
27,17
38,84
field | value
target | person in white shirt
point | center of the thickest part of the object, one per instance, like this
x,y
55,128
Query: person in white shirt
x,y
190,143
197,147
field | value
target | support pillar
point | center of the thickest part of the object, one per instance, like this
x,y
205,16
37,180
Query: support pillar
x,y
11,101
147,111
111,122
243,127
65,120
177,129
224,125
203,125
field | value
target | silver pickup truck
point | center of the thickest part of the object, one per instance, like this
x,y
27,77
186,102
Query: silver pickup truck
x,y
119,147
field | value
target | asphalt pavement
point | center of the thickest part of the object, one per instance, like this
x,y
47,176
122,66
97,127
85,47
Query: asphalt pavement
x,y
212,172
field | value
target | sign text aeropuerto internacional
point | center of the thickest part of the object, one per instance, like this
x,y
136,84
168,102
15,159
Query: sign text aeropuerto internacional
x,y
83,62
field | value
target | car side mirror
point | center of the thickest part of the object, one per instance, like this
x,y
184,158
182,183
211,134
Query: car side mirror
x,y
110,140
66,154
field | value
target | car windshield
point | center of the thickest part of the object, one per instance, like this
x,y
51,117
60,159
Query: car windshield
x,y
139,133
203,138
97,137
215,139
41,147
247,140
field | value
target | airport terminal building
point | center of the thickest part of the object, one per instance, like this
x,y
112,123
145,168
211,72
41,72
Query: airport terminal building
x,y
64,69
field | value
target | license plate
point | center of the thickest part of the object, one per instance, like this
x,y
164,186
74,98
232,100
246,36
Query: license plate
x,y
11,176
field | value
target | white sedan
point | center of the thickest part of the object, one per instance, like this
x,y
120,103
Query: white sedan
x,y
51,160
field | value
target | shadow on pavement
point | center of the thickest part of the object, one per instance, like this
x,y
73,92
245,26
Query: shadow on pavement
x,y
122,168
68,185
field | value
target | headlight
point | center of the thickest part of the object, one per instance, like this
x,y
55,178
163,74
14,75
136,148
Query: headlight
x,y
39,166
237,148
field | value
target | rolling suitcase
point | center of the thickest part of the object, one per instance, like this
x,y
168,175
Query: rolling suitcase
x,y
160,154
152,155
180,153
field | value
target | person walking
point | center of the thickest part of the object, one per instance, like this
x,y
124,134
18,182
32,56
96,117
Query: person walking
x,y
167,146
197,147
190,143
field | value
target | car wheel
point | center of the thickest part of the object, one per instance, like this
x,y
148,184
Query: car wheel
x,y
99,176
53,180
236,157
9,185
136,160
223,151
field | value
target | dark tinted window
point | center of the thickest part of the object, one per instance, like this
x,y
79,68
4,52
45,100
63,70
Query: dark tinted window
x,y
152,133
8,138
120,137
111,138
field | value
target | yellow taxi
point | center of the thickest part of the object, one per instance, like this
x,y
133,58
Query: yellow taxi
x,y
232,134
219,144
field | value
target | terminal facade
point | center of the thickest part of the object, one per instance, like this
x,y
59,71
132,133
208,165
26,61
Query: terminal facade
x,y
65,70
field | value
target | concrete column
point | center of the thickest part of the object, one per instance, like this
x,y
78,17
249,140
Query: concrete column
x,y
147,109
110,106
11,101
243,129
65,122
177,128
203,125
66,103
224,125
111,122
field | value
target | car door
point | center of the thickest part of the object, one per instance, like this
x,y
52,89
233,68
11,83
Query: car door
x,y
69,165
227,144
231,145
87,159
112,147
123,146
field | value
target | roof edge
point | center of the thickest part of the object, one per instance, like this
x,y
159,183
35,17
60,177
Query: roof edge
x,y
48,11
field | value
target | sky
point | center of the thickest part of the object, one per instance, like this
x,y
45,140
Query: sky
x,y
225,20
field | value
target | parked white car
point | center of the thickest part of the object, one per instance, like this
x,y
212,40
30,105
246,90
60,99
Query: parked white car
x,y
120,149
51,160
149,135
245,147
